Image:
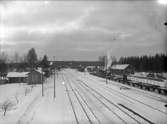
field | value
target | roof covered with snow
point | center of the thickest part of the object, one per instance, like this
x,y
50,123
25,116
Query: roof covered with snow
x,y
39,70
17,74
120,66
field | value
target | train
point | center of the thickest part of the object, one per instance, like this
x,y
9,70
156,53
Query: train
x,y
146,83
151,84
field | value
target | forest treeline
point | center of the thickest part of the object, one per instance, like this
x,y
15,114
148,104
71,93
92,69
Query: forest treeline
x,y
23,63
145,63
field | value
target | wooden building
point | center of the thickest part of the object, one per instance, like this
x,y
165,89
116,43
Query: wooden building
x,y
35,77
17,77
122,69
31,77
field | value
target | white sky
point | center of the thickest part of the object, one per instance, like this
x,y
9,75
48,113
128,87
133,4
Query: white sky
x,y
83,30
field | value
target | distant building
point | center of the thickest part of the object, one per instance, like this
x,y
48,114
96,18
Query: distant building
x,y
122,69
35,77
17,77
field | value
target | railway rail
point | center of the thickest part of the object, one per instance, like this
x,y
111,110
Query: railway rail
x,y
155,97
109,101
70,100
102,99
112,101
113,91
145,84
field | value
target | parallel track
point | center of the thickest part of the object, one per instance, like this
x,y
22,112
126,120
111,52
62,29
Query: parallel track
x,y
87,88
127,96
109,101
93,92
73,109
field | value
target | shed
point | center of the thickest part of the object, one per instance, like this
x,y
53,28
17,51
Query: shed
x,y
122,69
17,77
35,77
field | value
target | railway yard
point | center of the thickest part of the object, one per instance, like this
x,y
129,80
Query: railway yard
x,y
82,98
83,62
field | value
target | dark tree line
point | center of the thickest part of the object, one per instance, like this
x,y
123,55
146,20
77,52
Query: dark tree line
x,y
145,63
30,61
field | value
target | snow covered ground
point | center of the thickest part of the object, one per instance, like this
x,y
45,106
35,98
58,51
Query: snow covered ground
x,y
81,98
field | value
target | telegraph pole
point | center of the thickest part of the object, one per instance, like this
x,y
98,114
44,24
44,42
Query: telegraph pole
x,y
42,84
105,65
54,78
106,76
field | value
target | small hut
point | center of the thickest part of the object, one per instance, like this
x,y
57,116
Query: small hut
x,y
35,77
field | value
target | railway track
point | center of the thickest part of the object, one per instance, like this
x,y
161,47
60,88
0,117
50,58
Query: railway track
x,y
103,102
82,106
78,90
70,100
105,106
98,120
151,96
81,102
81,84
109,101
113,91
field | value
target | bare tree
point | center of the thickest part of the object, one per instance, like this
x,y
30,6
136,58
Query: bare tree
x,y
6,105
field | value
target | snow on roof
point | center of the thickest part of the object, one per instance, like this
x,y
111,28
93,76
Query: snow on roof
x,y
39,70
120,66
17,74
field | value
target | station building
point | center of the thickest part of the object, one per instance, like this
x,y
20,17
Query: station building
x,y
122,69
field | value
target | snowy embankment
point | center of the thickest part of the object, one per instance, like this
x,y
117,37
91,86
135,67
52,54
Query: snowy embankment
x,y
21,98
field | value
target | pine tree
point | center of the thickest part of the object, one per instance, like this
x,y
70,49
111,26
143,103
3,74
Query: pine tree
x,y
32,58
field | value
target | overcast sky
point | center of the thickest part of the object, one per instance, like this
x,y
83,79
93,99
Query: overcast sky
x,y
83,30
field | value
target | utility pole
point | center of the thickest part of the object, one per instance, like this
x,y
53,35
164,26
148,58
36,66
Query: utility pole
x,y
54,78
105,65
42,84
106,77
